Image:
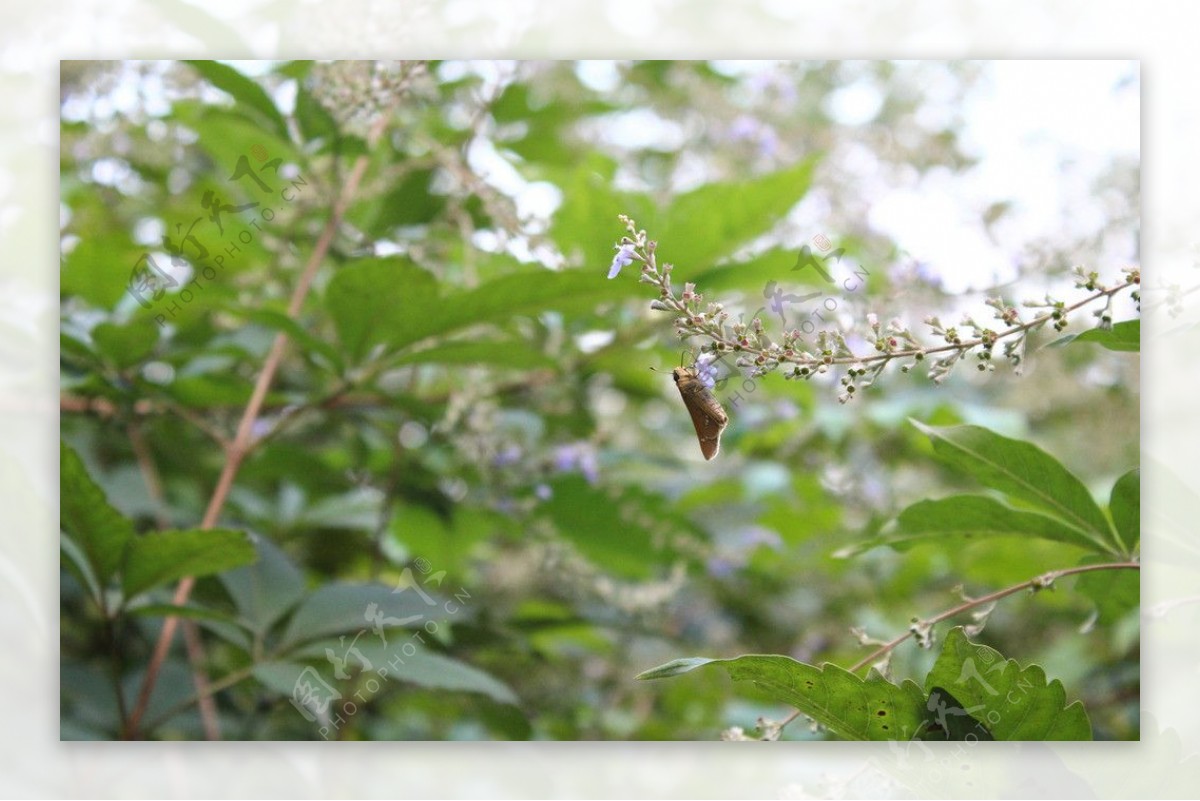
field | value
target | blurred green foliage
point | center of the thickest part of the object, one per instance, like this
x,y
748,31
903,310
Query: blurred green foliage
x,y
472,512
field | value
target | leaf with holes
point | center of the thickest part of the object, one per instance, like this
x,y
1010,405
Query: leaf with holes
x,y
856,709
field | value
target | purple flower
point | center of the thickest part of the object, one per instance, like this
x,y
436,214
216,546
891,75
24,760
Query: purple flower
x,y
706,371
577,456
624,256
509,455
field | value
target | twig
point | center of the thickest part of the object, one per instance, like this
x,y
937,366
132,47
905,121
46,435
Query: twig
x,y
191,634
1041,582
243,442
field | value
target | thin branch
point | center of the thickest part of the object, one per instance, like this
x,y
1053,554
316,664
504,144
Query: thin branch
x,y
1042,582
243,442
191,634
224,683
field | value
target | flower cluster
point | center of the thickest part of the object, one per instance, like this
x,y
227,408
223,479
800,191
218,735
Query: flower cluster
x,y
758,353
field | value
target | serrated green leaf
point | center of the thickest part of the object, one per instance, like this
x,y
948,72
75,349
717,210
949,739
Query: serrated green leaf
x,y
850,707
161,557
1015,703
972,517
1024,472
1125,506
100,530
951,721
245,91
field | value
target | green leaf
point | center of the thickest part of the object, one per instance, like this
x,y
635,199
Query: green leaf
x,y
1015,703
622,531
342,607
1115,593
215,389
971,517
162,557
264,591
373,301
697,230
75,562
100,530
951,721
190,611
1124,336
126,345
493,354
1024,472
392,662
392,301
712,222
850,707
410,202
245,91
100,268
315,120
1125,505
313,347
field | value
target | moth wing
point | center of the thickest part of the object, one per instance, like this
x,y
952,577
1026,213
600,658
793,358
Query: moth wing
x,y
708,418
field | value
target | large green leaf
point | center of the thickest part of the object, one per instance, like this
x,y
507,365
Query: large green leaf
x,y
624,531
100,530
1125,506
710,223
373,301
972,517
342,607
161,557
850,707
264,591
1124,336
1014,703
405,658
697,229
1024,472
249,95
392,301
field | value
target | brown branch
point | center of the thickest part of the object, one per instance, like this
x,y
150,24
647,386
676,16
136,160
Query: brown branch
x,y
191,634
243,442
1044,581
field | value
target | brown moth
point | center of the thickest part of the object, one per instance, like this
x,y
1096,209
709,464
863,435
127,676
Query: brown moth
x,y
708,417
